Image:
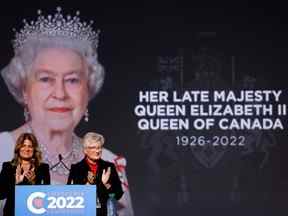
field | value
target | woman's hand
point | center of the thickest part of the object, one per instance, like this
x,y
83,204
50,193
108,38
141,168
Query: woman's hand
x,y
18,176
105,177
30,175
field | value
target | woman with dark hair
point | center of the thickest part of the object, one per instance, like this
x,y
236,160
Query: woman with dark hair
x,y
25,168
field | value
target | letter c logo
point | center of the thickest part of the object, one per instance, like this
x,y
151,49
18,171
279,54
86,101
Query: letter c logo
x,y
30,204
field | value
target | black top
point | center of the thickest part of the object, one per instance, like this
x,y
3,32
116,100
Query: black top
x,y
7,183
78,175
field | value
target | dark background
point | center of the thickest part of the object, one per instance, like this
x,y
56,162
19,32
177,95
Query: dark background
x,y
132,38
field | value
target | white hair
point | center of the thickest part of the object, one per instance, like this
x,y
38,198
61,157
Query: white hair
x,y
16,72
92,137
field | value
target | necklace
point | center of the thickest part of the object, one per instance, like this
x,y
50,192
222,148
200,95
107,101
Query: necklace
x,y
60,164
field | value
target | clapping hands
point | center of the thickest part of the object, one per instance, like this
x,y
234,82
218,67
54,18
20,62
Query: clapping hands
x,y
29,174
18,176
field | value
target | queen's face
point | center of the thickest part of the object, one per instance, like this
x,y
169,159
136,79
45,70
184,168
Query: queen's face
x,y
56,91
26,151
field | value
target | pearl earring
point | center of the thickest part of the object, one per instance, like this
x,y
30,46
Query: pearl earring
x,y
86,116
26,114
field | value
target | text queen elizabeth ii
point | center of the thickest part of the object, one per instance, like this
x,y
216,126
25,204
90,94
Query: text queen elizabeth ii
x,y
53,74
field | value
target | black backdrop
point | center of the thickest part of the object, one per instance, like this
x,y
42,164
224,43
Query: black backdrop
x,y
164,179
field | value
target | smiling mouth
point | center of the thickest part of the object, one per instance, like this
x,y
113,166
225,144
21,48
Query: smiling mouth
x,y
60,109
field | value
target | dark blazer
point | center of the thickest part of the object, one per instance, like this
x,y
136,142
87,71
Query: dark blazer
x,y
7,183
78,175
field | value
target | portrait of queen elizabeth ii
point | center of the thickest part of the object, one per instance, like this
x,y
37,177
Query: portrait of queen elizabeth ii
x,y
53,74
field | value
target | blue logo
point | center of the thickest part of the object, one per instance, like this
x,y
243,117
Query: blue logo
x,y
57,200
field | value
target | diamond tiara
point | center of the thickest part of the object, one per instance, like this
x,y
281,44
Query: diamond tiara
x,y
56,26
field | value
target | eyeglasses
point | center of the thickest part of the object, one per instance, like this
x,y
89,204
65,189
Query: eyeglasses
x,y
94,147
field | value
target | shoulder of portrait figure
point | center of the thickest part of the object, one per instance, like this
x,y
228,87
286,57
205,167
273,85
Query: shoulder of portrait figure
x,y
107,155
